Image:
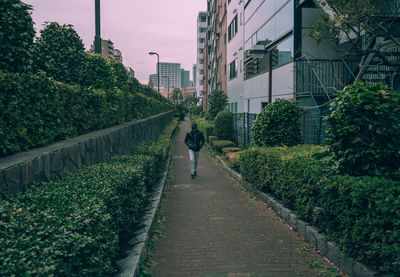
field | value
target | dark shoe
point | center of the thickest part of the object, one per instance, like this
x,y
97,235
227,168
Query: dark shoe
x,y
192,176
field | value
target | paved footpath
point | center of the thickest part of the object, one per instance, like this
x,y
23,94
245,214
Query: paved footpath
x,y
214,229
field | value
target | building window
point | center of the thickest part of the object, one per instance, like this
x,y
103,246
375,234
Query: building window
x,y
236,107
233,69
263,105
203,19
233,28
201,40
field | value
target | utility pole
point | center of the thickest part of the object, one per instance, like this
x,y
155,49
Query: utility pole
x,y
97,38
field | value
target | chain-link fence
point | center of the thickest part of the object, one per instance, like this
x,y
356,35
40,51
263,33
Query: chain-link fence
x,y
312,126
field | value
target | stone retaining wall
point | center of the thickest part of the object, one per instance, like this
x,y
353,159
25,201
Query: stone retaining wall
x,y
18,171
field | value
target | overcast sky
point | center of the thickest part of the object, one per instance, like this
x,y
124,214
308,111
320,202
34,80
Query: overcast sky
x,y
136,27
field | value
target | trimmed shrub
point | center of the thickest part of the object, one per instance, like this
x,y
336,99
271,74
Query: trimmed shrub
x,y
223,123
359,213
226,150
211,139
219,144
57,111
233,159
364,131
362,215
16,39
277,124
73,226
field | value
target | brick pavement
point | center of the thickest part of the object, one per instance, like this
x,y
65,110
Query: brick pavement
x,y
214,229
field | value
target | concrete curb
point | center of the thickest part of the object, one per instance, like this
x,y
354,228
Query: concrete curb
x,y
138,244
321,242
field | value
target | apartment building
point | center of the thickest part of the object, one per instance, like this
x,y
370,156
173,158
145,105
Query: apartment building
x,y
185,78
216,47
170,70
235,55
198,73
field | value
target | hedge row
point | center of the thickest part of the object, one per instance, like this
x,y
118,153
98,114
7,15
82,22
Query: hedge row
x,y
361,214
73,226
36,110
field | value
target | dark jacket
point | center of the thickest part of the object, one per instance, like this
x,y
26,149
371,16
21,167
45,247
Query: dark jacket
x,y
194,140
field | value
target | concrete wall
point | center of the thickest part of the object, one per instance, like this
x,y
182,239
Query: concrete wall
x,y
18,171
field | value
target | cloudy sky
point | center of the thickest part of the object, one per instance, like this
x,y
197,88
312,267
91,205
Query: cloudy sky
x,y
136,27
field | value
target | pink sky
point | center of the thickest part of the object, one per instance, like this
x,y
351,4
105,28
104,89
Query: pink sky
x,y
136,27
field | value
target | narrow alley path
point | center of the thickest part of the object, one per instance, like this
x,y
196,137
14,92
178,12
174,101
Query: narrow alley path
x,y
214,229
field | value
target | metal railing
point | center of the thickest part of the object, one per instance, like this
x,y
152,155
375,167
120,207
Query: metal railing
x,y
242,123
319,79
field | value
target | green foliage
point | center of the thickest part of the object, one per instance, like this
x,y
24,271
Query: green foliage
x,y
119,73
180,111
97,72
364,131
219,144
224,125
56,110
59,51
217,102
233,159
177,96
74,225
278,124
226,150
359,213
211,139
16,36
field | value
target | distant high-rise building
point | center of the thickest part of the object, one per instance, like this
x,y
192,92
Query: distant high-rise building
x,y
117,55
131,72
194,72
108,50
185,78
199,72
170,70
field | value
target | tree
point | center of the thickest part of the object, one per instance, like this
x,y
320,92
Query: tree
x,y
177,96
370,27
16,36
217,102
119,73
59,52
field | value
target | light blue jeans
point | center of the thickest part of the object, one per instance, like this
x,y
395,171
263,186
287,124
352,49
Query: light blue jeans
x,y
194,158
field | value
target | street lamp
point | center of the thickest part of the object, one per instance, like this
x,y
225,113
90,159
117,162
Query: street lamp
x,y
168,84
97,38
158,68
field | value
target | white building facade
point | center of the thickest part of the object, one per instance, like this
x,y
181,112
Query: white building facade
x,y
235,55
201,35
268,29
170,70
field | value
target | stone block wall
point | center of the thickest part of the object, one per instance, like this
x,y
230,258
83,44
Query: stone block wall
x,y
18,171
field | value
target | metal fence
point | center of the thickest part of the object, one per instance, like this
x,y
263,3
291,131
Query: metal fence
x,y
312,126
242,123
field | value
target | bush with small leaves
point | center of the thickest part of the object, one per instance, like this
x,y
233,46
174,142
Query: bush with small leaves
x,y
278,124
223,123
364,131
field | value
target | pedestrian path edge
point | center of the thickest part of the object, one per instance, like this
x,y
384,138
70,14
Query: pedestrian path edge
x,y
320,241
137,246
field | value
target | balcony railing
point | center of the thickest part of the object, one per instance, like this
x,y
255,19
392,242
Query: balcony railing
x,y
319,79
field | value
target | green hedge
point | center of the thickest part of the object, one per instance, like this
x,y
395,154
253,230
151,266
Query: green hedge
x,y
224,125
359,213
219,144
72,226
36,110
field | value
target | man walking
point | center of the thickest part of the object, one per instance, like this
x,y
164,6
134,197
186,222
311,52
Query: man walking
x,y
195,141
